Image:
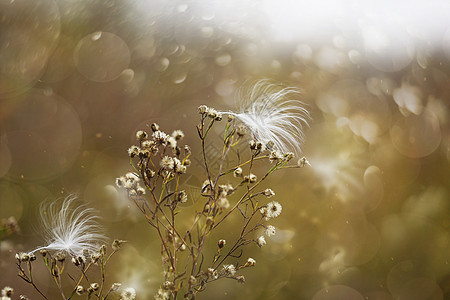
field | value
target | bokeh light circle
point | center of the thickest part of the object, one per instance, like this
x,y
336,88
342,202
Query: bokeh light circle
x,y
403,274
389,48
43,134
101,56
29,31
416,135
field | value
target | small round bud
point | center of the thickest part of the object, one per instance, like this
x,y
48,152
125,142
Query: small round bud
x,y
60,256
202,109
238,172
154,127
80,290
141,135
117,244
221,244
303,162
250,262
115,286
268,193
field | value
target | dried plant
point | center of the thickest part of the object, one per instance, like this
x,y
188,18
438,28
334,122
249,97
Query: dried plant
x,y
71,232
154,185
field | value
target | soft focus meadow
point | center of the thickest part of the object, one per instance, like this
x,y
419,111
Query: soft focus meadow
x,y
366,214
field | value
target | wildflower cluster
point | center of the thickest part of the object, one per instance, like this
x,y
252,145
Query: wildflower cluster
x,y
158,163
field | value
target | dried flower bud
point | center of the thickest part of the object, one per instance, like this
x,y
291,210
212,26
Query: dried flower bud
x,y
168,285
210,272
206,187
270,230
241,131
261,241
144,153
221,244
149,173
229,270
218,117
230,118
141,135
237,172
95,257
171,142
223,203
43,252
94,287
7,292
179,167
288,156
250,178
268,193
187,150
60,256
167,163
140,191
115,286
202,109
80,290
303,162
117,244
275,156
192,280
181,196
160,137
147,144
78,260
250,262
102,250
133,151
178,135
212,113
240,279
154,127
22,256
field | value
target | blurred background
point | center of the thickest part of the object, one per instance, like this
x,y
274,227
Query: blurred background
x,y
369,219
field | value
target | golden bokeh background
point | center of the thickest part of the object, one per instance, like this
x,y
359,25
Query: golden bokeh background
x,y
369,219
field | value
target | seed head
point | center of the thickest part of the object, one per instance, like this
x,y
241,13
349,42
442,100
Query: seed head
x,y
271,114
69,229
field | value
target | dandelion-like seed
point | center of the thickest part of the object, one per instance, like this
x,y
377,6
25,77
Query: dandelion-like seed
x,y
261,241
68,229
271,114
